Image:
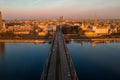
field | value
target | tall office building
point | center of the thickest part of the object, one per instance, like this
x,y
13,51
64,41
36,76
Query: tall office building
x,y
61,18
95,21
0,20
61,21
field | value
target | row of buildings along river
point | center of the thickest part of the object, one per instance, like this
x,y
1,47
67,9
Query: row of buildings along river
x,y
45,27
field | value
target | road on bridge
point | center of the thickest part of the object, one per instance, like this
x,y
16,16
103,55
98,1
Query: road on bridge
x,y
59,65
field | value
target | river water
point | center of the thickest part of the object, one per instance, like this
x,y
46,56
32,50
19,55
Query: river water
x,y
96,62
22,61
92,61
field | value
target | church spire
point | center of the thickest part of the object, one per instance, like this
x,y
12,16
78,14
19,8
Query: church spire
x,y
0,20
95,20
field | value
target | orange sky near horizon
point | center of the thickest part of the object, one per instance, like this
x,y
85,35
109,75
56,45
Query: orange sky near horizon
x,y
35,9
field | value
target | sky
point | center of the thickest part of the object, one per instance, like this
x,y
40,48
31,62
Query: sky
x,y
77,9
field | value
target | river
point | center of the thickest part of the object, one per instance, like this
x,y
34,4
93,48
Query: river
x,y
92,60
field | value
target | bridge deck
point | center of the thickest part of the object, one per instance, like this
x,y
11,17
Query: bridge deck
x,y
59,64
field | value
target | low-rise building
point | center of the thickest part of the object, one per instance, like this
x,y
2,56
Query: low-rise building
x,y
101,30
42,25
89,33
42,34
84,27
21,32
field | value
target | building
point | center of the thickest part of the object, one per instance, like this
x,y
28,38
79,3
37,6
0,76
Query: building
x,y
4,25
21,32
101,29
84,27
89,33
0,20
42,34
61,19
42,25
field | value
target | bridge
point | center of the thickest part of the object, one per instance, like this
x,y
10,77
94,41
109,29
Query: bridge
x,y
58,65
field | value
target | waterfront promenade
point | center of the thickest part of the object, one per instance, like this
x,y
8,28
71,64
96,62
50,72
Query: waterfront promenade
x,y
49,40
25,41
93,39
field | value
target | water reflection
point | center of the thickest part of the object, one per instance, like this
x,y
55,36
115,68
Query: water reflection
x,y
92,42
2,50
22,61
93,59
96,60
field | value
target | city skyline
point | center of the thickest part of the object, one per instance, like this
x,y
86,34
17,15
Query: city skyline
x,y
31,9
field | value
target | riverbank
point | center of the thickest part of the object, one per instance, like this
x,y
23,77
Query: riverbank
x,y
26,41
94,39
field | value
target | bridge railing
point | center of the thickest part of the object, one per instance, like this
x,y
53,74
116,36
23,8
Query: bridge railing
x,y
69,61
47,64
72,73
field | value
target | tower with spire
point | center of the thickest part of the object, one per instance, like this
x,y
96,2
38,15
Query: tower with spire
x,y
0,20
95,21
61,21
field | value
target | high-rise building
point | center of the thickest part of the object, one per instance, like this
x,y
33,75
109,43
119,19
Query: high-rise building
x,y
0,20
61,18
95,21
61,21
